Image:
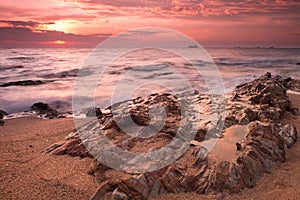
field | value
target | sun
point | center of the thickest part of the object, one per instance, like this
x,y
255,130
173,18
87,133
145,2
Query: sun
x,y
59,42
62,26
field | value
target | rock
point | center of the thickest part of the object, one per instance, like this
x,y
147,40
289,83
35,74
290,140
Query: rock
x,y
246,116
294,85
200,135
2,114
259,105
230,120
267,76
94,112
44,109
117,195
103,190
295,111
73,147
23,83
289,135
238,146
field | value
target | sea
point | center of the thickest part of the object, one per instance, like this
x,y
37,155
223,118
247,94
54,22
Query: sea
x,y
137,73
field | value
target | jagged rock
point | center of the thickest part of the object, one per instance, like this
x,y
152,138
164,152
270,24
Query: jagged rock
x,y
259,105
44,109
289,135
2,114
230,120
94,112
246,116
72,146
295,111
102,193
294,85
117,195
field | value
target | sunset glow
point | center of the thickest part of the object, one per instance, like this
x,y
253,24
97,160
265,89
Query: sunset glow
x,y
212,23
62,26
59,42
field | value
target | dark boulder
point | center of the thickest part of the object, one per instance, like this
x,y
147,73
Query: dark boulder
x,y
44,109
94,112
2,114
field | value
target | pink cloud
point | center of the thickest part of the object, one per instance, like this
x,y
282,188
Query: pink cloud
x,y
244,21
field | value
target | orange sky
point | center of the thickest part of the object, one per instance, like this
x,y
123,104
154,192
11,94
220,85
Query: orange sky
x,y
80,23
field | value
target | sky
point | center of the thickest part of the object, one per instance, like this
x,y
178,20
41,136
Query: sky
x,y
213,23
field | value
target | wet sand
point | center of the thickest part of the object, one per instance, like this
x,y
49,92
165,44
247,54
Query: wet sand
x,y
27,173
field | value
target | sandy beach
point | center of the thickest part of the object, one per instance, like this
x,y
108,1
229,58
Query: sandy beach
x,y
27,173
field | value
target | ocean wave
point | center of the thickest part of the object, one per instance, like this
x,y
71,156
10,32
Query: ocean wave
x,y
20,58
3,68
155,75
149,68
228,62
67,73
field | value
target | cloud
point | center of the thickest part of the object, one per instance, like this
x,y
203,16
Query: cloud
x,y
23,35
269,19
232,10
131,3
31,24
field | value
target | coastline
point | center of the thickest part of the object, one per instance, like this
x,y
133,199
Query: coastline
x,y
28,173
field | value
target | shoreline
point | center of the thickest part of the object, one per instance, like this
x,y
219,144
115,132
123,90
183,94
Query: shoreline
x,y
28,173
68,114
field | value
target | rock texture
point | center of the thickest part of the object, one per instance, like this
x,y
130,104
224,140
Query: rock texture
x,y
259,105
2,114
44,109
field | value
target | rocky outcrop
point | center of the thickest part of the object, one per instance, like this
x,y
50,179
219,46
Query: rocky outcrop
x,y
94,112
294,85
258,106
23,83
44,109
2,114
72,146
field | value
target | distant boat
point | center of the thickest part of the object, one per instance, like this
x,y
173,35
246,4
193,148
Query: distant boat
x,y
193,46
